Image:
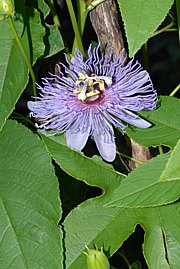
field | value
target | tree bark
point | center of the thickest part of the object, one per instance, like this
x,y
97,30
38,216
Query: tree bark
x,y
104,19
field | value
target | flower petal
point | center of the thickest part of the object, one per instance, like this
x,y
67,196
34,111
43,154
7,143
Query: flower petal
x,y
104,139
134,119
32,105
107,150
78,140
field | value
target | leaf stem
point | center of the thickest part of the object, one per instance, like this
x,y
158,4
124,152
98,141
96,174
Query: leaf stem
x,y
75,26
178,17
125,259
54,13
81,20
128,157
160,150
175,90
145,56
164,29
20,45
20,116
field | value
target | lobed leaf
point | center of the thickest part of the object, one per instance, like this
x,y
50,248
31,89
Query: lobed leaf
x,y
140,188
29,202
93,224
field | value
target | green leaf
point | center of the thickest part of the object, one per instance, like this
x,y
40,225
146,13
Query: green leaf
x,y
90,170
172,169
43,7
37,31
166,124
13,69
140,188
143,187
29,202
93,224
141,18
162,236
13,72
55,40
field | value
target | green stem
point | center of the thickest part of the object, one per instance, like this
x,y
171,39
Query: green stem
x,y
175,90
54,13
160,150
75,26
128,157
166,28
125,259
145,56
178,16
20,45
82,15
20,116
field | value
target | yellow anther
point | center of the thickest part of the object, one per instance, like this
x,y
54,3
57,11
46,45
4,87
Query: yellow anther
x,y
78,90
90,82
82,76
90,94
100,82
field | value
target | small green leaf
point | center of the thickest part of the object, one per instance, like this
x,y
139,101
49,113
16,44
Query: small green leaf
x,y
172,169
55,40
141,18
165,121
29,202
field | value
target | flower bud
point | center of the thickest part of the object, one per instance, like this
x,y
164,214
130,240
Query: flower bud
x,y
7,7
96,259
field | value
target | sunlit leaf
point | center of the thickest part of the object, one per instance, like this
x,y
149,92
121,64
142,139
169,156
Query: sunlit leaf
x,y
141,18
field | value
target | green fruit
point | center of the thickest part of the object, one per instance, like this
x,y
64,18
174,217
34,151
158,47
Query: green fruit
x,y
96,259
7,7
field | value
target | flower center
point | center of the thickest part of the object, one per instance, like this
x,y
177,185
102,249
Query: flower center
x,y
91,87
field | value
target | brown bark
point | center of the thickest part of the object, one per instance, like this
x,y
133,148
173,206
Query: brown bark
x,y
105,23
104,20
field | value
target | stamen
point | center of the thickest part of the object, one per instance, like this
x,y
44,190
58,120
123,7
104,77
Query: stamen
x,y
90,94
82,94
88,89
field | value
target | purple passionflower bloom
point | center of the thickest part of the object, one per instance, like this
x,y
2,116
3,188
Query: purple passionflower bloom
x,y
91,97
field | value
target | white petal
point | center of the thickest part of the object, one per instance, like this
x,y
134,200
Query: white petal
x,y
134,119
77,141
31,105
107,149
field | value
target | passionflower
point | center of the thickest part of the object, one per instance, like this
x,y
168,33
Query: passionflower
x,y
90,98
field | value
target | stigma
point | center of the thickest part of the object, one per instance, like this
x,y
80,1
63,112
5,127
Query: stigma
x,y
90,87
